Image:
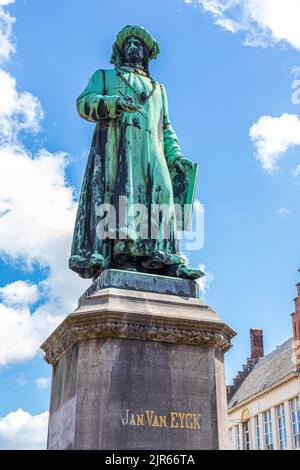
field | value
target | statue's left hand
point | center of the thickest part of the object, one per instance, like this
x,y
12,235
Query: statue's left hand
x,y
183,164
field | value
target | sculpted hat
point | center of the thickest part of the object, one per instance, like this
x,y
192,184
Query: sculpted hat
x,y
139,32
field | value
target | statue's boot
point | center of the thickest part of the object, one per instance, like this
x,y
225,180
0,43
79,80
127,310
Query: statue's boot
x,y
125,264
183,271
128,267
88,267
122,258
155,262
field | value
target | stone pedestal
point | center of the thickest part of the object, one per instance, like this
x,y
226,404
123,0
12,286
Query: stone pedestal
x,y
139,369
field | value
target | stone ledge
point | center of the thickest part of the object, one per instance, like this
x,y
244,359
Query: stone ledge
x,y
148,304
128,280
113,313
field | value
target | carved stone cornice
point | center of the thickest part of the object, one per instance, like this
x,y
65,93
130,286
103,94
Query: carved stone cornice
x,y
73,330
105,320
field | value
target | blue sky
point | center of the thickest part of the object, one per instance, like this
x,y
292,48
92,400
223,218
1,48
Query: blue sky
x,y
225,73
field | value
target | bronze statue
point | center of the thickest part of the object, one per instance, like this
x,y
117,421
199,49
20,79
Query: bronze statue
x,y
135,162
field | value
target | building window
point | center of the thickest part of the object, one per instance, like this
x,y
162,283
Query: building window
x,y
295,418
268,430
257,432
237,438
281,426
246,436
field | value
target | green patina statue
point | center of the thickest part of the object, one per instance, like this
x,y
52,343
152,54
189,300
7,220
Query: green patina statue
x,y
135,162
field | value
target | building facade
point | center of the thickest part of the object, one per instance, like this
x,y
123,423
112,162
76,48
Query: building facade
x,y
264,400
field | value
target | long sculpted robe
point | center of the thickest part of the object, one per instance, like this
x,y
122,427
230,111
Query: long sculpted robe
x,y
131,157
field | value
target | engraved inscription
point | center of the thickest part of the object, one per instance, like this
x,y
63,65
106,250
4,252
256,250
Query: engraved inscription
x,y
172,420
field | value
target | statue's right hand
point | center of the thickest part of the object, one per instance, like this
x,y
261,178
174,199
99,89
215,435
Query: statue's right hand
x,y
127,105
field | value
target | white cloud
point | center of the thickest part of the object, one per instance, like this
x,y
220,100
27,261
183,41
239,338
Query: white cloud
x,y
296,70
20,430
37,213
21,380
283,212
205,281
18,111
264,22
19,293
296,172
272,137
43,382
21,333
37,202
7,46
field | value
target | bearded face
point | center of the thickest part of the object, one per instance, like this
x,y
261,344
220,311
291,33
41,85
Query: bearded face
x,y
133,51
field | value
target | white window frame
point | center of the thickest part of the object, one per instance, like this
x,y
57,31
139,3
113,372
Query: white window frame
x,y
258,435
295,421
281,426
268,430
246,435
237,437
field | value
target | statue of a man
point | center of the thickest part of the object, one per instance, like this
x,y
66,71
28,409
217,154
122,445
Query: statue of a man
x,y
134,149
